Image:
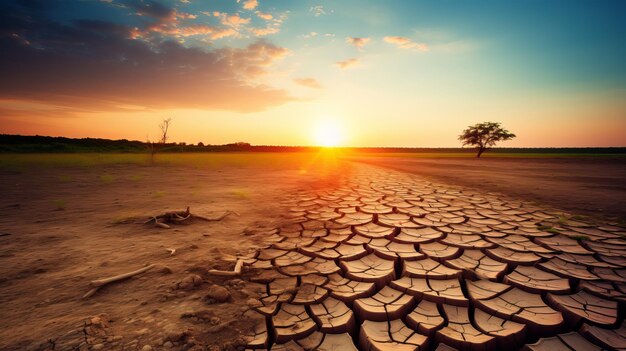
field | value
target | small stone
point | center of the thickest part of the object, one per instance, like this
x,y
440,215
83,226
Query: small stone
x,y
217,294
168,345
175,335
215,320
189,282
146,348
97,347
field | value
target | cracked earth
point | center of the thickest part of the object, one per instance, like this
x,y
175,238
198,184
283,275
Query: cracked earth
x,y
383,260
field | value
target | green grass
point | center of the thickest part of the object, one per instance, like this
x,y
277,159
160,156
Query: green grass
x,y
547,228
136,178
240,193
59,205
485,155
107,178
65,178
22,162
579,237
553,231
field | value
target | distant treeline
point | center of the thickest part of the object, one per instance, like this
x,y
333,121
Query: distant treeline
x,y
42,144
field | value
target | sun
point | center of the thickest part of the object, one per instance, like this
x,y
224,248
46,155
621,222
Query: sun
x,y
328,133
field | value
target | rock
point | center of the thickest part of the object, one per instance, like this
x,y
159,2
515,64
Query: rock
x,y
215,320
175,335
97,347
146,348
190,282
236,283
217,294
168,344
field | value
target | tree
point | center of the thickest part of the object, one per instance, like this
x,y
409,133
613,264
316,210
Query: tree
x,y
154,147
165,125
484,135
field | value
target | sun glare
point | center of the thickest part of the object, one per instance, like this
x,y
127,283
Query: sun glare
x,y
328,134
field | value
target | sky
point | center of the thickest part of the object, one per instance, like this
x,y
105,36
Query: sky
x,y
275,72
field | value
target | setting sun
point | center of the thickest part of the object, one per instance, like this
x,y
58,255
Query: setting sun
x,y
328,134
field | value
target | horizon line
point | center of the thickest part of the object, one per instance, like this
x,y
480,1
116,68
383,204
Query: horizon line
x,y
320,146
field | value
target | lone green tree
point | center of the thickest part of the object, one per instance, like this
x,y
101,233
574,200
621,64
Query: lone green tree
x,y
484,135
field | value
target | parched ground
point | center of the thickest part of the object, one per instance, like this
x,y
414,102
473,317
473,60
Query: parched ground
x,y
594,186
337,256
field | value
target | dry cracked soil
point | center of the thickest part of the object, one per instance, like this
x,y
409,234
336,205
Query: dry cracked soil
x,y
362,258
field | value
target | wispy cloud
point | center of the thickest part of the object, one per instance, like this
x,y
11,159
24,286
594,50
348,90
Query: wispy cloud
x,y
308,82
351,62
318,10
233,20
357,42
406,43
250,4
261,32
264,15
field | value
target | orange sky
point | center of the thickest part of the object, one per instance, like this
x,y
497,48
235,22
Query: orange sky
x,y
271,73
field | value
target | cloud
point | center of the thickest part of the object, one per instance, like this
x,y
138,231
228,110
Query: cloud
x,y
317,10
264,15
406,43
308,82
166,21
192,30
310,35
233,20
98,66
150,8
260,32
250,4
351,62
357,42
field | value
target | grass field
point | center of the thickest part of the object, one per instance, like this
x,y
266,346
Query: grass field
x,y
17,162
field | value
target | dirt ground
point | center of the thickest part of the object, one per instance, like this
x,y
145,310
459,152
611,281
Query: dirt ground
x,y
66,226
590,186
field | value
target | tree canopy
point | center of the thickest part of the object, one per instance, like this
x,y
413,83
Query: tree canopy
x,y
484,135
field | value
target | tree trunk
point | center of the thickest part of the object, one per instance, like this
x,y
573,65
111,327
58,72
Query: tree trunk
x,y
480,151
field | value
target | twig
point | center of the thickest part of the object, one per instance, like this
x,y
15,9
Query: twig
x,y
161,224
218,218
101,282
178,217
235,272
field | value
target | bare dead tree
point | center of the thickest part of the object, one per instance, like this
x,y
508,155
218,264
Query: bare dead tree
x,y
154,147
165,126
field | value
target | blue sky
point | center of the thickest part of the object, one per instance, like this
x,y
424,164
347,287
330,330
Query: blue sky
x,y
384,73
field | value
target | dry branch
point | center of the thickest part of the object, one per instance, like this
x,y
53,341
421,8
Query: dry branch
x,y
235,272
97,284
178,217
